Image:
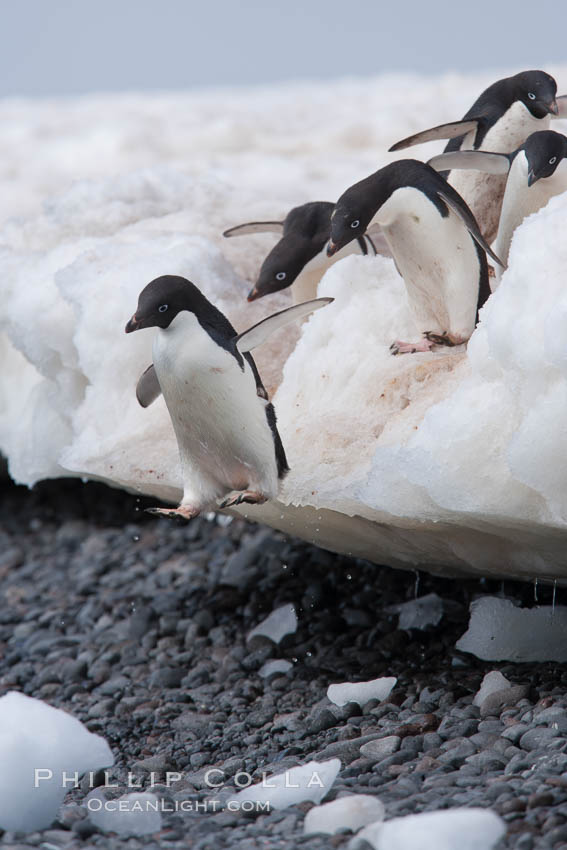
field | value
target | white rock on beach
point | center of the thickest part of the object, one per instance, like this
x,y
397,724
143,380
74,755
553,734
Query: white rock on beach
x,y
500,631
276,665
34,737
351,812
311,781
281,622
361,692
450,829
433,460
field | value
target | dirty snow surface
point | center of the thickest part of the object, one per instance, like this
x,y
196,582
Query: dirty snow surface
x,y
451,460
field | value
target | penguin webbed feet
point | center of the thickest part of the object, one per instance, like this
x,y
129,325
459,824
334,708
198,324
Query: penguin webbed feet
x,y
240,497
184,512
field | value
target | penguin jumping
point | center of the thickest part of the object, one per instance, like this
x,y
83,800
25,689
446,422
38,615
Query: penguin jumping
x,y
300,257
500,120
225,427
536,172
435,242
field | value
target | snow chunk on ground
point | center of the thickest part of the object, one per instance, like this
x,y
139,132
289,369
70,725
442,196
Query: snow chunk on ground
x,y
277,665
36,736
352,812
496,691
311,781
281,622
361,692
465,829
419,613
132,814
500,631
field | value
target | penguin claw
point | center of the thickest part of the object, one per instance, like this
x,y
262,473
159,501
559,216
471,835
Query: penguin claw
x,y
250,497
182,512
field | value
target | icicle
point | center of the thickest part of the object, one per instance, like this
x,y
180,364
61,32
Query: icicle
x,y
416,588
535,590
553,599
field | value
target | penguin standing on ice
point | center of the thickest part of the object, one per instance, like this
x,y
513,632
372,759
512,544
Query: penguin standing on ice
x,y
435,242
536,172
300,257
500,120
226,431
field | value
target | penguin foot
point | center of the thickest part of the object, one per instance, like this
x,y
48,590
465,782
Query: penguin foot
x,y
250,497
398,347
444,339
182,512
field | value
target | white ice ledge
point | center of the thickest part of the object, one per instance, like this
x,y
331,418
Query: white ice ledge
x,y
453,461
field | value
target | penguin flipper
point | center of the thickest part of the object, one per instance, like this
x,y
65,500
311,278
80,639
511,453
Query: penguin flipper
x,y
255,227
444,131
375,235
148,388
260,332
561,106
470,223
491,163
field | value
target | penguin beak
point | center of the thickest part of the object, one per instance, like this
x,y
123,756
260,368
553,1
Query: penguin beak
x,y
133,325
553,108
531,177
253,294
332,248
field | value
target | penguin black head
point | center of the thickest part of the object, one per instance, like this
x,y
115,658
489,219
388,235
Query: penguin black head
x,y
537,91
305,233
351,216
162,299
544,151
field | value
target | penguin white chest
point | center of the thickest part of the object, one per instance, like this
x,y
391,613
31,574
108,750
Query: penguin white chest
x,y
484,192
437,259
521,200
224,439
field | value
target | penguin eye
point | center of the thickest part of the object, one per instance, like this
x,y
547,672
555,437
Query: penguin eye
x,y
354,224
531,95
280,276
552,160
163,308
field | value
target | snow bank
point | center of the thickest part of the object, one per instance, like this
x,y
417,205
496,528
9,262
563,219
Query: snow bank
x,y
41,749
447,461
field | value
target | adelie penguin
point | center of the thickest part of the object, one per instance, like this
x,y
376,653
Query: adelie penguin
x,y
228,441
536,172
500,120
435,242
300,256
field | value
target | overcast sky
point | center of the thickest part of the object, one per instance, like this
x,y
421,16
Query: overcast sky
x,y
74,46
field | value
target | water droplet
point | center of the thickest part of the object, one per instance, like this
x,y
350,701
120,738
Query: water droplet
x,y
309,654
349,577
135,538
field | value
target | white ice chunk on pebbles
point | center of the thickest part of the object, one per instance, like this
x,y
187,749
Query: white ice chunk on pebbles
x,y
311,781
361,692
352,812
496,691
132,814
500,631
419,613
34,737
281,622
277,665
463,828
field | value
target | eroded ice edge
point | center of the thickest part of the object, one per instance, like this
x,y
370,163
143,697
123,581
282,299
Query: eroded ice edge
x,y
452,461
